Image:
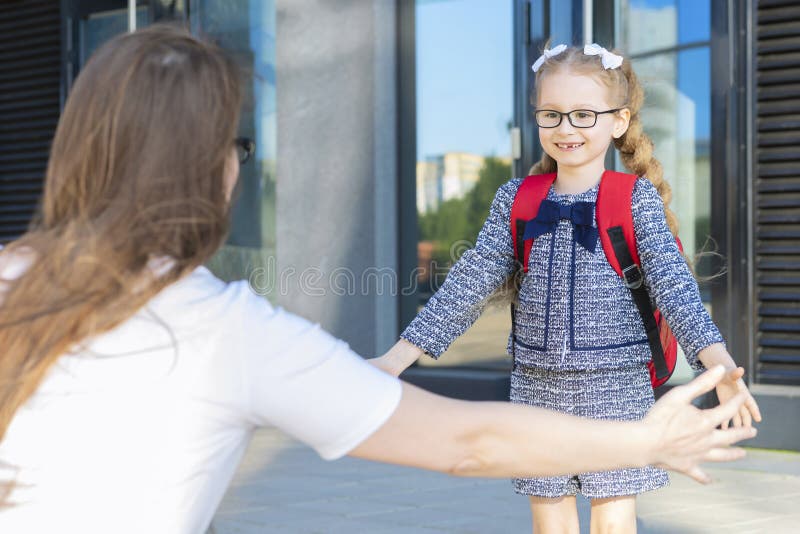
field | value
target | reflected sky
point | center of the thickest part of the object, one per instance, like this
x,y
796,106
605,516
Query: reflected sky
x,y
694,17
464,77
465,71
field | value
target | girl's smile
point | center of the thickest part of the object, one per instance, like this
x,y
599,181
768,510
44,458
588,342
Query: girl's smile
x,y
579,152
569,147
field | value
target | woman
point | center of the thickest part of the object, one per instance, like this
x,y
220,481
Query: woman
x,y
132,379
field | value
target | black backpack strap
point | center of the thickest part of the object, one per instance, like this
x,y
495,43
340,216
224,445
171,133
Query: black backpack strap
x,y
632,274
513,336
519,254
519,246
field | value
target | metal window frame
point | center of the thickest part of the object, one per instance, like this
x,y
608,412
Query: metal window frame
x,y
731,175
406,161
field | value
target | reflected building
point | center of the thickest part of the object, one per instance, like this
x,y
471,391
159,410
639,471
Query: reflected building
x,y
445,177
669,115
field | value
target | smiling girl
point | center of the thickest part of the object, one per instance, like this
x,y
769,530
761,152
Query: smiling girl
x,y
579,342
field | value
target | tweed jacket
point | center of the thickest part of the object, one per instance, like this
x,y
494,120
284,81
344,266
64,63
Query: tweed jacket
x,y
574,312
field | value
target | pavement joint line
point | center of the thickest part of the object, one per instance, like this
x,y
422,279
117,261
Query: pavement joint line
x,y
699,508
751,470
707,506
755,521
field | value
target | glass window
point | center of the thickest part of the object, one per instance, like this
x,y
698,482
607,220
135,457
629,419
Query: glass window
x,y
246,29
677,118
668,43
561,30
650,25
694,21
464,112
99,27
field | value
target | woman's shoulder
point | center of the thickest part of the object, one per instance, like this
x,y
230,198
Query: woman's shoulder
x,y
202,297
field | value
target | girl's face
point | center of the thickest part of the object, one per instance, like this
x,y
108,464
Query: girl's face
x,y
578,149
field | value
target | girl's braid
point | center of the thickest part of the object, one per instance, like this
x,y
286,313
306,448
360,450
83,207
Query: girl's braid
x,y
636,148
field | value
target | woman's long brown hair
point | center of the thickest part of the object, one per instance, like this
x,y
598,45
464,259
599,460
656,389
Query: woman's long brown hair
x,y
136,172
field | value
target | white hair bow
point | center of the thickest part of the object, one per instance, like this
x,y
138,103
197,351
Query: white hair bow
x,y
547,54
610,61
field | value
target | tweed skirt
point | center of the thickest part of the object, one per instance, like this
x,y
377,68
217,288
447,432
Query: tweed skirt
x,y
612,394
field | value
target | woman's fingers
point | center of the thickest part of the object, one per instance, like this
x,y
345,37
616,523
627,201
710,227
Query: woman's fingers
x,y
724,454
725,438
692,435
744,413
700,385
698,474
726,411
735,374
752,407
737,419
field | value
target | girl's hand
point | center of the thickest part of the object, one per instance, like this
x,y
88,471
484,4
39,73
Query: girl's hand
x,y
398,358
385,364
732,385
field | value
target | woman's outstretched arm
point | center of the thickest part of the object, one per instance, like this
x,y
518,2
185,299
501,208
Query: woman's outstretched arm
x,y
495,439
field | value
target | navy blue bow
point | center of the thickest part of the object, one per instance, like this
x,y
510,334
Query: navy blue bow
x,y
580,213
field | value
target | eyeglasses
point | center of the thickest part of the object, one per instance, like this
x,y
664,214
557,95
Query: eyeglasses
x,y
245,148
579,118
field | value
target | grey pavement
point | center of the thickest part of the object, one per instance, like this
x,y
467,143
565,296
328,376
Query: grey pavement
x,y
283,486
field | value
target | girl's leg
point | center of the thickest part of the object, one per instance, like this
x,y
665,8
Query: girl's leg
x,y
555,516
615,515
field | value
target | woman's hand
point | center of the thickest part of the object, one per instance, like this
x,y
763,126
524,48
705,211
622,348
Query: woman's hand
x,y
685,435
732,385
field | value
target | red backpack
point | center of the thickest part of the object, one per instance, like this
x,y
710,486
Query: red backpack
x,y
615,225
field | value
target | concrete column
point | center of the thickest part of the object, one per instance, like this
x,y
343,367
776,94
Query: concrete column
x,y
336,167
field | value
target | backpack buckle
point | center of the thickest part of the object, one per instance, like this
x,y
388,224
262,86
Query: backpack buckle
x,y
633,276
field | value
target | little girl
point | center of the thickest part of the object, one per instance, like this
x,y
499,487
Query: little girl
x,y
580,345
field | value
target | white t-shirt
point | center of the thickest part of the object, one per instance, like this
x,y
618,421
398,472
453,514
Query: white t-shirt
x,y
143,428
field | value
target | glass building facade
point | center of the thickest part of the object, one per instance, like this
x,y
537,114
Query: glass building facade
x,y
382,130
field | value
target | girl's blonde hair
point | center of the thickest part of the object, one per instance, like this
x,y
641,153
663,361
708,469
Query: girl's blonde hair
x,y
635,147
136,173
625,91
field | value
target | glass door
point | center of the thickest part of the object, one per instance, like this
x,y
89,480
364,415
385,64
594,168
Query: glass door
x,y
89,24
100,26
246,30
474,131
669,45
464,131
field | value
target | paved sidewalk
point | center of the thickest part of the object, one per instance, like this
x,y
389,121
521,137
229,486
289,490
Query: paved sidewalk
x,y
283,486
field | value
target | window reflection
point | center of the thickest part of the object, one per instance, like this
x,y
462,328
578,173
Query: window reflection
x,y
651,25
101,26
464,110
677,122
668,43
246,30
